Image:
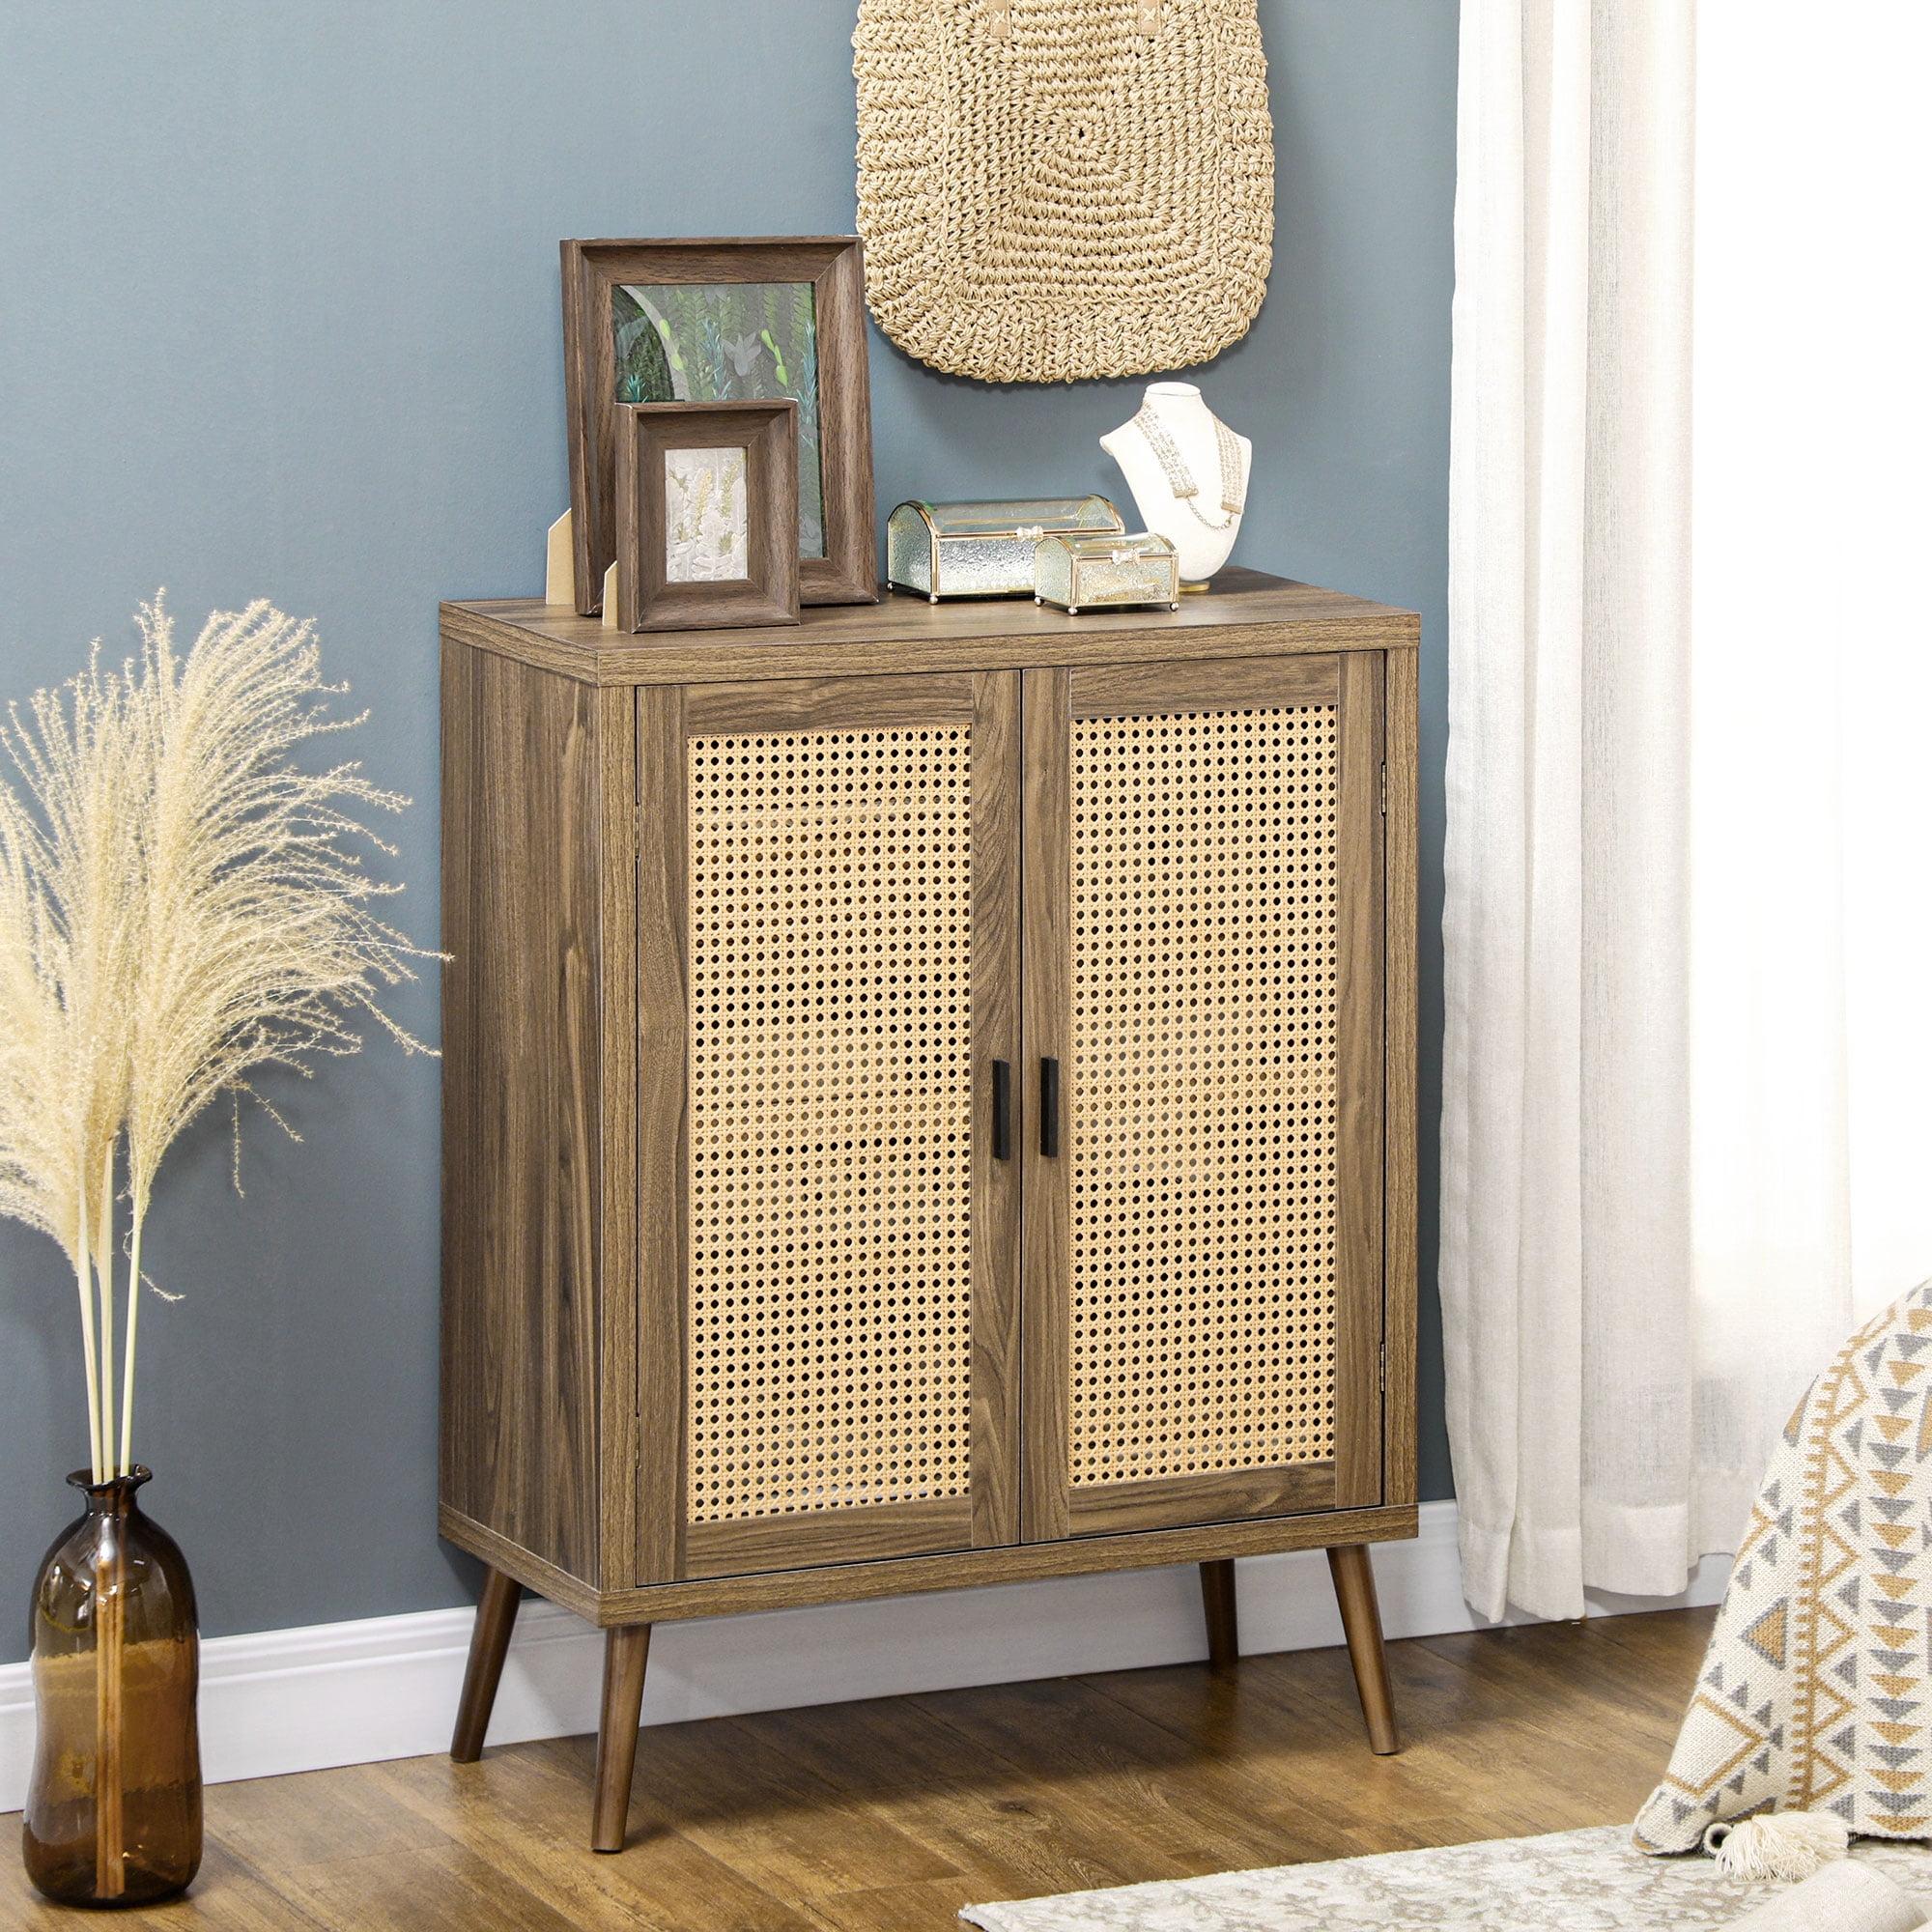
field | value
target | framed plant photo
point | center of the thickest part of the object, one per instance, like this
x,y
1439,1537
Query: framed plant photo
x,y
759,320
707,515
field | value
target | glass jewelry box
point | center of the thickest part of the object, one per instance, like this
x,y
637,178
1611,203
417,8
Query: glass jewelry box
x,y
982,550
1093,573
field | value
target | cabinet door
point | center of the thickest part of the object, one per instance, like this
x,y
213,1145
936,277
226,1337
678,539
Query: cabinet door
x,y
828,976
1202,1196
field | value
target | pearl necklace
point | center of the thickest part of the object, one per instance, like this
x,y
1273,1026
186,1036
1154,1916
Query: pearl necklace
x,y
1181,479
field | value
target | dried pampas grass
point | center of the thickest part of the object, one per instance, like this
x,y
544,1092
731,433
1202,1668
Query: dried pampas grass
x,y
183,905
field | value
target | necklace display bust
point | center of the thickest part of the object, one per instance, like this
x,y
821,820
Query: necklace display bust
x,y
1189,472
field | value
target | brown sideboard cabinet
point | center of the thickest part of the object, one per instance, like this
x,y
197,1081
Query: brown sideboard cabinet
x,y
929,1100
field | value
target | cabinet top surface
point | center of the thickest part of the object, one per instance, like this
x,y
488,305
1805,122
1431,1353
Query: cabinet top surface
x,y
1247,613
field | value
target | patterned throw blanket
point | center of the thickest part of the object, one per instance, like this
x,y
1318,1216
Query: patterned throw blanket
x,y
1816,1693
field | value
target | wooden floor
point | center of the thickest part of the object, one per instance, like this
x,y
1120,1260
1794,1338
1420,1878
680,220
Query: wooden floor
x,y
889,1816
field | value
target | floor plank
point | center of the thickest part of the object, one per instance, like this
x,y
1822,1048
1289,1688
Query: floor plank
x,y
998,1829
888,1816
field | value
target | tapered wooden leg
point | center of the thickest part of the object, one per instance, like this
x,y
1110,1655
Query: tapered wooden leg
x,y
489,1645
1362,1624
625,1650
1217,1604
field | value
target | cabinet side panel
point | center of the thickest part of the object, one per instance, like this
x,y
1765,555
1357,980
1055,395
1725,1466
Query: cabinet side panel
x,y
521,1039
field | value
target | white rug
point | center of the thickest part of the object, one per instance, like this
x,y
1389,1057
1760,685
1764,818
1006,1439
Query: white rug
x,y
1570,1882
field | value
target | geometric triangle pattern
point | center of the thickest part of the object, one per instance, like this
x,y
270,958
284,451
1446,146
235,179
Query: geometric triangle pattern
x,y
1816,1692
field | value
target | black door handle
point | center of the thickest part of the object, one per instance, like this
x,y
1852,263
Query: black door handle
x,y
1050,1108
1003,1111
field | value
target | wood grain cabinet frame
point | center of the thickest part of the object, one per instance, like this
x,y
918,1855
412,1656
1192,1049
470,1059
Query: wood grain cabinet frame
x,y
929,1101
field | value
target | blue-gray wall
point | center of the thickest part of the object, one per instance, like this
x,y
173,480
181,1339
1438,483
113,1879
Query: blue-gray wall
x,y
278,317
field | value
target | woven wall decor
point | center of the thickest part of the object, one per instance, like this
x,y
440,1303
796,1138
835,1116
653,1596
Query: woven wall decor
x,y
1052,190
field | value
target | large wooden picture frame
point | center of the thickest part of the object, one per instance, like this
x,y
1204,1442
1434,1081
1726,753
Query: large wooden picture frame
x,y
780,341
707,515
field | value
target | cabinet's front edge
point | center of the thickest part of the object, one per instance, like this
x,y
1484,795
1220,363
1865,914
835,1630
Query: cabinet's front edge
x,y
1045,1214
1399,1237
1086,1555
1163,1502
662,1129
995,1230
663,658
456,757
663,664
834,1536
616,1138
1361,1078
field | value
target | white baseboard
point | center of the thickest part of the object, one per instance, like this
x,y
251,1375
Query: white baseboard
x,y
386,1687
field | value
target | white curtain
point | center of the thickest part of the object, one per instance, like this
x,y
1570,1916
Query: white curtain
x,y
1686,1068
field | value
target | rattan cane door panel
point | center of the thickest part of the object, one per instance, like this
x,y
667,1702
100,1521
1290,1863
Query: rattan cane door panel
x,y
844,1286
1203,980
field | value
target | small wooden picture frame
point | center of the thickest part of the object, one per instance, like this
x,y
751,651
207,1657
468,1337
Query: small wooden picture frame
x,y
725,319
707,515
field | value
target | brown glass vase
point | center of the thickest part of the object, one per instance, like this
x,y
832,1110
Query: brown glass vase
x,y
114,1809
